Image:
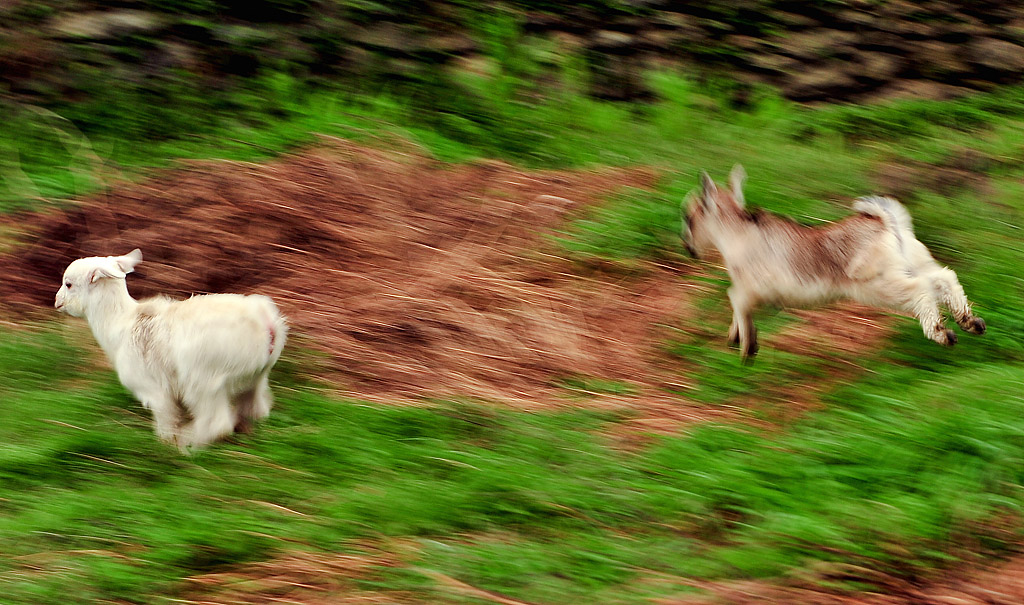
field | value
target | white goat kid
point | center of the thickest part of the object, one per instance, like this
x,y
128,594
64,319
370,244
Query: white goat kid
x,y
201,365
872,258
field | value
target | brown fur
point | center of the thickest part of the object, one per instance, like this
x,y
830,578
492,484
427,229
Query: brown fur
x,y
825,252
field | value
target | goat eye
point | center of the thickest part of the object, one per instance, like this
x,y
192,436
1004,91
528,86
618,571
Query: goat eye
x,y
68,284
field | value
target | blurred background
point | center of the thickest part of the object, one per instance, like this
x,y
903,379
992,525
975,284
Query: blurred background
x,y
163,69
505,380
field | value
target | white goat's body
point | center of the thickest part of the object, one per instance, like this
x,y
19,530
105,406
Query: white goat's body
x,y
201,365
873,258
208,356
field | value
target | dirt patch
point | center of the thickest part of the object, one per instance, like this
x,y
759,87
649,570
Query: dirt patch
x,y
998,584
848,330
833,339
298,577
304,578
415,278
314,578
964,169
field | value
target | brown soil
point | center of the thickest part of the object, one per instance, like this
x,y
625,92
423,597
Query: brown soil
x,y
417,279
999,584
964,170
298,577
319,578
836,338
304,578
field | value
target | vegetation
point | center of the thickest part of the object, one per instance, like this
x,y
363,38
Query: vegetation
x,y
902,470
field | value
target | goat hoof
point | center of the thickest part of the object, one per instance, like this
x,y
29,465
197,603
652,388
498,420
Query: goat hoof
x,y
750,353
976,325
950,338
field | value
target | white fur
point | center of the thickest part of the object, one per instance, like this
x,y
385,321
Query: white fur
x,y
892,213
774,261
201,365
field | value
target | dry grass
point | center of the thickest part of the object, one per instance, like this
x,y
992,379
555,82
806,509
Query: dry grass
x,y
417,279
297,577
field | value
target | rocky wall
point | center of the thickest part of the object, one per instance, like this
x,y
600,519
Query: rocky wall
x,y
825,50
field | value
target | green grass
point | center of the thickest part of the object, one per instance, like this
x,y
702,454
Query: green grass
x,y
46,155
534,505
898,472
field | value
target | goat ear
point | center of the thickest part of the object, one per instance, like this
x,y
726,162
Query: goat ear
x,y
737,177
127,262
706,184
106,271
708,192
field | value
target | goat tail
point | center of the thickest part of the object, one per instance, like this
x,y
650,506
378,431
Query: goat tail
x,y
276,327
278,336
892,213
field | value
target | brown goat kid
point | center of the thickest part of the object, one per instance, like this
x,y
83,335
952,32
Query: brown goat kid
x,y
872,258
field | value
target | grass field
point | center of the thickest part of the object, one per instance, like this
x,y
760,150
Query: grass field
x,y
918,463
